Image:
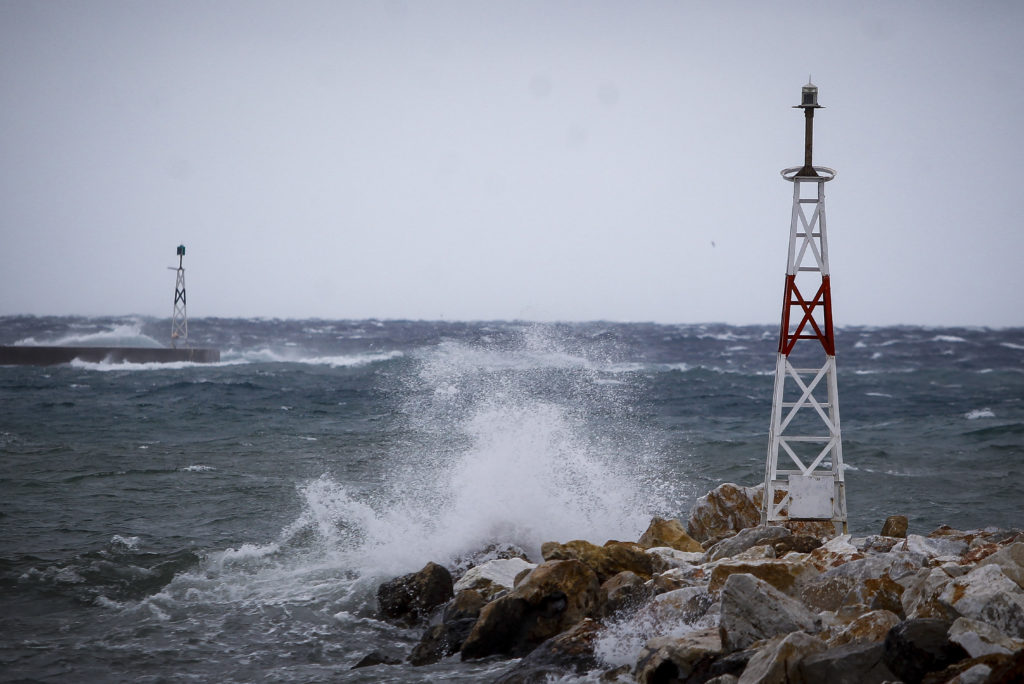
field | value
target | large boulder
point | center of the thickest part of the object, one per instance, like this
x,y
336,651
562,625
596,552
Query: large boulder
x,y
934,547
923,595
446,638
916,647
568,653
623,594
677,607
551,599
980,638
606,561
724,510
745,539
870,627
493,577
786,575
753,610
851,663
778,661
411,598
988,595
671,533
860,581
1011,560
895,526
666,659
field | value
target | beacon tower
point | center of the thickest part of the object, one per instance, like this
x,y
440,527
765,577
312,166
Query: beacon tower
x,y
179,320
804,471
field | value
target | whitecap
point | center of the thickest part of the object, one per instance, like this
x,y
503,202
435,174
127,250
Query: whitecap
x,y
979,413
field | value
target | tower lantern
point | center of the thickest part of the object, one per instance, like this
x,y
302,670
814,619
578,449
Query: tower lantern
x,y
179,320
804,469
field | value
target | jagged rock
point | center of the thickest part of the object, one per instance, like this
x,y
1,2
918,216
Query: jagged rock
x,y
376,658
988,595
553,597
922,597
444,639
851,663
786,575
895,526
671,533
686,605
799,543
753,610
876,543
980,638
676,578
623,594
778,661
606,561
726,509
723,679
493,577
834,552
745,539
568,653
1011,560
975,674
916,647
673,558
665,659
1011,671
868,628
860,581
410,598
934,547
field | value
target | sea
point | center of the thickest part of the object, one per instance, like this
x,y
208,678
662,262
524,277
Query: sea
x,y
231,522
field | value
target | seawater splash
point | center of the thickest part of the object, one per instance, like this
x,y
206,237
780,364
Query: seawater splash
x,y
125,335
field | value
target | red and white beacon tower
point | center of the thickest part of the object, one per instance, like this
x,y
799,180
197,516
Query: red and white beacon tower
x,y
804,430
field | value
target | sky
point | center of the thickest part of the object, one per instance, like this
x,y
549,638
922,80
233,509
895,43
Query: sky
x,y
556,160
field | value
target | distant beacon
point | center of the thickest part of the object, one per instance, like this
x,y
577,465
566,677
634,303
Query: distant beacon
x,y
804,430
179,319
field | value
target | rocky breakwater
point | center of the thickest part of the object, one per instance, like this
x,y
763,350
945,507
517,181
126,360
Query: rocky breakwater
x,y
723,600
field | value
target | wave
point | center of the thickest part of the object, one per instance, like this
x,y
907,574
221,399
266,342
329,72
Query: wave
x,y
126,335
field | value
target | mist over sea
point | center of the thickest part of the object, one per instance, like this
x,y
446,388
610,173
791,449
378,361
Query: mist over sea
x,y
231,522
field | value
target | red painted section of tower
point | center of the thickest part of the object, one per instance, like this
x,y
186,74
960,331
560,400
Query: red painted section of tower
x,y
822,332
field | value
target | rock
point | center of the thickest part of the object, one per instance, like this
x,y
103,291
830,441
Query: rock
x,y
980,638
623,594
976,674
670,533
493,577
673,558
753,610
676,578
788,576
410,598
934,547
877,544
895,526
1011,560
552,598
988,595
834,553
745,539
376,658
851,663
444,639
799,543
861,581
916,647
778,661
821,529
868,628
922,597
727,508
682,606
606,561
1009,672
665,659
723,679
568,653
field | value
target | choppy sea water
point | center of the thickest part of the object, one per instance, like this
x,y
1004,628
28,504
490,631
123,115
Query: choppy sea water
x,y
231,522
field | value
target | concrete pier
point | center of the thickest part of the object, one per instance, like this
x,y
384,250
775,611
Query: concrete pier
x,y
49,356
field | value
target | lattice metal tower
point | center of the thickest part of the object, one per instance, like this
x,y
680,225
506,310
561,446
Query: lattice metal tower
x,y
805,404
179,321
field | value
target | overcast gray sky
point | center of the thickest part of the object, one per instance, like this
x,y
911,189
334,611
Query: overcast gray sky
x,y
498,160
